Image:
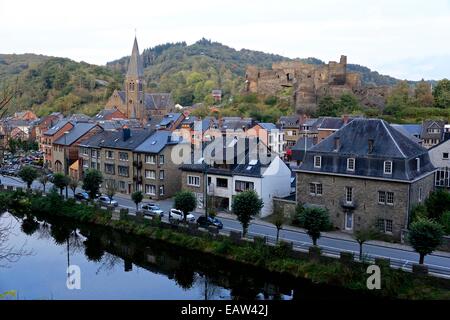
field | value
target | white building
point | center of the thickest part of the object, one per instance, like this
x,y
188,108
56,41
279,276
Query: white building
x,y
440,158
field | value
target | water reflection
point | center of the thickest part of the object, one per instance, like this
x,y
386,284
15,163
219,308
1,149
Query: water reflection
x,y
114,255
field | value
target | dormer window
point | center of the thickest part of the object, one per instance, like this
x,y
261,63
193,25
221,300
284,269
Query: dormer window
x,y
318,162
351,164
388,167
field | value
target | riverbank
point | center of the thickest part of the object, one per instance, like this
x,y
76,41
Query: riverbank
x,y
279,259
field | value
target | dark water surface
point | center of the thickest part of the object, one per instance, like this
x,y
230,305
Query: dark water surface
x,y
118,266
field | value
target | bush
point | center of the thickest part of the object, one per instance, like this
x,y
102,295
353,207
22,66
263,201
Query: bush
x,y
418,212
445,221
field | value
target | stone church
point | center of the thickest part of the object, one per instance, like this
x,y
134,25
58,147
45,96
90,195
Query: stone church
x,y
133,101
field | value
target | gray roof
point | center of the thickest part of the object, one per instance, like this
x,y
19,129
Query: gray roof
x,y
157,100
268,126
169,119
57,127
289,122
156,142
298,150
428,124
104,113
236,123
115,139
410,132
388,145
79,130
135,65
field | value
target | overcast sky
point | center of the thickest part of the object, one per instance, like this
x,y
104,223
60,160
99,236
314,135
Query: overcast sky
x,y
403,38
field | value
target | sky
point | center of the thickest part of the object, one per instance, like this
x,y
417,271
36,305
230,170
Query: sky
x,y
407,39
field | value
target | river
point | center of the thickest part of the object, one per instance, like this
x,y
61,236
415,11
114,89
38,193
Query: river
x,y
113,265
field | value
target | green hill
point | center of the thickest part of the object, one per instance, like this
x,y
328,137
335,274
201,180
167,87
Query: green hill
x,y
189,72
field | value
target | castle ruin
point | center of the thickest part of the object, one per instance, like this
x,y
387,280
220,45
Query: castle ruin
x,y
312,82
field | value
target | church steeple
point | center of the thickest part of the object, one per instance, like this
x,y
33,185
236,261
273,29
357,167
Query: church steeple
x,y
134,85
135,66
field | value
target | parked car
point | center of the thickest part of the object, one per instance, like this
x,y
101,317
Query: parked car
x,y
204,222
175,214
106,201
151,209
81,196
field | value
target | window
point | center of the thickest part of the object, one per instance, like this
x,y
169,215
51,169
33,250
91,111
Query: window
x,y
317,162
150,189
161,190
150,174
244,185
85,151
193,181
351,164
445,156
161,175
384,225
161,159
381,197
349,194
388,167
109,154
122,185
390,198
315,189
151,159
123,171
109,168
123,156
222,183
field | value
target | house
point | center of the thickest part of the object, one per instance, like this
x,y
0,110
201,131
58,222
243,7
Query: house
x,y
290,126
158,176
366,174
66,147
229,168
270,135
51,135
170,121
43,124
192,129
27,115
440,158
432,133
111,152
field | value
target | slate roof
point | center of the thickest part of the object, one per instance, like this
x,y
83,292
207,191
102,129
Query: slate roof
x,y
388,145
79,130
298,150
410,132
169,118
105,113
268,126
114,139
135,65
289,122
236,123
152,101
57,127
156,142
432,124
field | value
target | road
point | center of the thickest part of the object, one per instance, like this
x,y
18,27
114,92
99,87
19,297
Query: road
x,y
401,256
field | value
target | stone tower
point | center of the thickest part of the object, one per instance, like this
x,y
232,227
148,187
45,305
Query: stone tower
x,y
134,85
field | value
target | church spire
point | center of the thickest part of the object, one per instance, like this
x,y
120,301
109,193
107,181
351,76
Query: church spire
x,y
135,66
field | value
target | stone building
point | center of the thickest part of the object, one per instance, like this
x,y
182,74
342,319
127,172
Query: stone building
x,y
158,176
51,135
374,180
310,83
432,133
133,101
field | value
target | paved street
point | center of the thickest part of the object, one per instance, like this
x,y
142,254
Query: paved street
x,y
401,255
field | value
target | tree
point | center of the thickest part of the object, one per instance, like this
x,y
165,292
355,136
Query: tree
x,y
314,220
362,236
43,180
398,99
137,198
441,94
111,189
423,94
437,203
278,219
445,222
425,236
28,174
186,202
92,181
245,206
327,107
73,184
61,181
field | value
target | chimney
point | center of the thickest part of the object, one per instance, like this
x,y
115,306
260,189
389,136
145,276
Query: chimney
x,y
345,119
337,143
126,133
370,146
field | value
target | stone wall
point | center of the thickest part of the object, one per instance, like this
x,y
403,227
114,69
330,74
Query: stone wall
x,y
287,206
